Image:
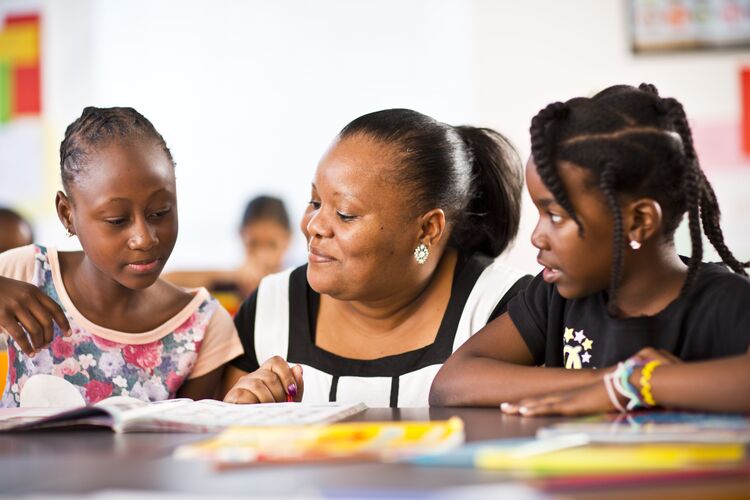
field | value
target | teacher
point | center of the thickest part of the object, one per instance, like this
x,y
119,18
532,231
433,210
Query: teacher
x,y
405,220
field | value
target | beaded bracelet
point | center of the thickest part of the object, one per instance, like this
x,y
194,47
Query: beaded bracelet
x,y
645,381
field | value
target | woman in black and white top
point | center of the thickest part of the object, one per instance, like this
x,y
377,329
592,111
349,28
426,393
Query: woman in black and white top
x,y
406,218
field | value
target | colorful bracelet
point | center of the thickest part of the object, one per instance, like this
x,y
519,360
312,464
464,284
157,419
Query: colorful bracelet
x,y
621,382
646,372
609,385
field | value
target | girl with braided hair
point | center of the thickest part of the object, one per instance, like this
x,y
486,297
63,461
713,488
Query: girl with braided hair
x,y
101,318
617,320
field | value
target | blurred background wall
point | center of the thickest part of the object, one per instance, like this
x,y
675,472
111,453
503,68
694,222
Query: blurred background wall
x,y
248,94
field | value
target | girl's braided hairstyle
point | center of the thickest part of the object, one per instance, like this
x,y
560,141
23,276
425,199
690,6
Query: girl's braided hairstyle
x,y
98,127
633,142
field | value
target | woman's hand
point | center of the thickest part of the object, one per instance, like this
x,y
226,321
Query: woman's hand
x,y
589,399
271,383
25,308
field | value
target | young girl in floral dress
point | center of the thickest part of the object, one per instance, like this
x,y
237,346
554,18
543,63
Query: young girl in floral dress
x,y
101,318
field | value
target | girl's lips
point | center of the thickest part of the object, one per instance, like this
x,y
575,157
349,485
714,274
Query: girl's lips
x,y
144,266
550,275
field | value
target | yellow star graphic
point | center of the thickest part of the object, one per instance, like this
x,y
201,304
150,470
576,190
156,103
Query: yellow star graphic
x,y
568,336
587,344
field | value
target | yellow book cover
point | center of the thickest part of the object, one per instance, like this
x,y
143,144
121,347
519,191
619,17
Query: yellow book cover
x,y
615,458
340,441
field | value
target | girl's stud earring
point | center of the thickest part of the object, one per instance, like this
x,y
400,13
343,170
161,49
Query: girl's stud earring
x,y
68,233
421,253
635,245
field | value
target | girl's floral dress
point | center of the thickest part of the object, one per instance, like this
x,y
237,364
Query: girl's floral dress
x,y
102,363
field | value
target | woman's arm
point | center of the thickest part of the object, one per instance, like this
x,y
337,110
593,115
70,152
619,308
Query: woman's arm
x,y
495,366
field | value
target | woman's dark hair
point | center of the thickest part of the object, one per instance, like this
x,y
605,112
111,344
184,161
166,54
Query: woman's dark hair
x,y
473,174
265,208
97,127
632,142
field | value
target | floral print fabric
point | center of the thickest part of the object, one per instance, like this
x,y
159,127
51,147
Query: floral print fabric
x,y
99,367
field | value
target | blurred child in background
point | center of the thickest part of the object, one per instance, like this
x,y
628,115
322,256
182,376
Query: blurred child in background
x,y
15,231
265,235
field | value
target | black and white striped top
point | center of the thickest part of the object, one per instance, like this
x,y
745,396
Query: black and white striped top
x,y
279,320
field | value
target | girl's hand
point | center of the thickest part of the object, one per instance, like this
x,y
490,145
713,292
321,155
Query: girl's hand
x,y
650,354
582,401
589,399
25,308
271,383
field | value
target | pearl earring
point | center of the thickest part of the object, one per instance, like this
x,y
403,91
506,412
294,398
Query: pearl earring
x,y
635,245
421,253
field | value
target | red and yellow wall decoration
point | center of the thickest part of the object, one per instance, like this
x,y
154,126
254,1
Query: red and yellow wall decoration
x,y
20,63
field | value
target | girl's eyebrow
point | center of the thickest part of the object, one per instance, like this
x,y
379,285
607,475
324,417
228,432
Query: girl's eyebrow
x,y
119,199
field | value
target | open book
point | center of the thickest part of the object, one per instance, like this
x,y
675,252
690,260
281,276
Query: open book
x,y
124,414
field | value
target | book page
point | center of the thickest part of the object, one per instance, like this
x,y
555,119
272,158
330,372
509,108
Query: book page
x,y
210,416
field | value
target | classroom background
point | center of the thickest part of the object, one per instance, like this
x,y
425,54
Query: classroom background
x,y
248,94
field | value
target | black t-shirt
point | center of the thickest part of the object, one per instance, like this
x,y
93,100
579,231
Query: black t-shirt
x,y
710,320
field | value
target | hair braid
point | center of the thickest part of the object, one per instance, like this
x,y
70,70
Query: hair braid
x,y
96,127
710,213
711,218
693,194
693,182
606,182
542,150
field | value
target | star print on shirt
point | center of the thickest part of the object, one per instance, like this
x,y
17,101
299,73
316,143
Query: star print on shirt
x,y
580,336
568,335
576,348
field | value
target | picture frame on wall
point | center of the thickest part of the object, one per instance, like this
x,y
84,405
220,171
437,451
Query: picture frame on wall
x,y
689,25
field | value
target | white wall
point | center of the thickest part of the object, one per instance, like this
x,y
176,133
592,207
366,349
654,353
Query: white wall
x,y
248,94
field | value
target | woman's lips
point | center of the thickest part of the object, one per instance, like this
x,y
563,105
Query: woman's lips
x,y
315,255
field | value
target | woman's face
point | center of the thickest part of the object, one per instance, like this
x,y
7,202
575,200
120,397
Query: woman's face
x,y
360,226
